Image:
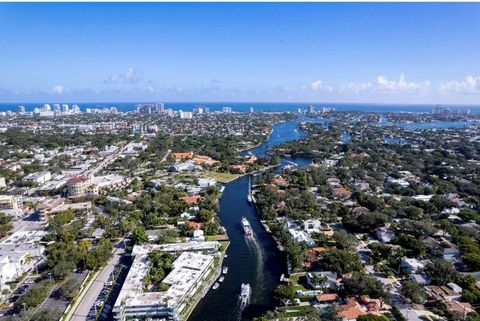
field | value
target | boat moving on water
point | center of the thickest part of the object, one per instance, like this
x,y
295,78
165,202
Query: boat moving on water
x,y
246,227
245,292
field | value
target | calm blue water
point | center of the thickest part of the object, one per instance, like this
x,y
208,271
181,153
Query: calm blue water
x,y
437,125
244,107
255,261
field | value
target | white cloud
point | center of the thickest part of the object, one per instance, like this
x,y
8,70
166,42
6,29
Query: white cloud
x,y
318,85
113,79
59,89
400,85
130,76
469,85
384,85
355,87
133,76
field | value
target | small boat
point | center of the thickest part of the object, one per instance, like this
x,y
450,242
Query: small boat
x,y
245,292
215,285
225,270
265,226
220,279
246,227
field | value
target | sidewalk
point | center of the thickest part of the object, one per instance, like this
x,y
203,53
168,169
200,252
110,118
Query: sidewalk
x,y
88,296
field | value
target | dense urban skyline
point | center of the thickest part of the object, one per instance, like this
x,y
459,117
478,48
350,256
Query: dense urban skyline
x,y
337,52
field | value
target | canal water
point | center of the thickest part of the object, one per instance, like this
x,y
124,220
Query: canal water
x,y
250,260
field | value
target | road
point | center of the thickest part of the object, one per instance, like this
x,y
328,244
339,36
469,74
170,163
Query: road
x,y
166,155
107,160
85,303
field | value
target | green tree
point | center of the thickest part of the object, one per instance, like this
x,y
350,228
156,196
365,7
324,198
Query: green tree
x,y
48,315
139,236
5,224
342,261
205,215
413,291
344,240
363,284
441,272
283,293
69,289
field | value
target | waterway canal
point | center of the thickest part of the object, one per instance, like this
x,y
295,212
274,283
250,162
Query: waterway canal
x,y
255,261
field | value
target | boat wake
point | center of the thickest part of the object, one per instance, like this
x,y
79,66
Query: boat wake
x,y
253,243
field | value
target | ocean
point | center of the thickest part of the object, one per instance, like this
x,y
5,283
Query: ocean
x,y
245,107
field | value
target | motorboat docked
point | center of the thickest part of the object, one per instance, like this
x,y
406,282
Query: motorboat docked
x,y
265,226
225,270
246,227
249,195
215,285
220,279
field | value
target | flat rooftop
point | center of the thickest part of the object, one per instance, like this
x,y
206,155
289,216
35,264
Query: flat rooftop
x,y
186,274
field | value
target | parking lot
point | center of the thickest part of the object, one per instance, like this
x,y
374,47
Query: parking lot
x,y
55,301
102,309
51,303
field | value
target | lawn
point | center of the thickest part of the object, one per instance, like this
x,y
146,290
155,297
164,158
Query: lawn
x,y
219,177
292,311
298,281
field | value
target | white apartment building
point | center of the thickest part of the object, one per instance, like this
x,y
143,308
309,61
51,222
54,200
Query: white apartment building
x,y
38,178
190,270
8,202
19,253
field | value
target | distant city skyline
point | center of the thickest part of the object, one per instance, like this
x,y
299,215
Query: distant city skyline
x,y
405,53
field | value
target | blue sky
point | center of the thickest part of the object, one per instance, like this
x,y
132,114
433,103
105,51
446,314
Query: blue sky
x,y
290,52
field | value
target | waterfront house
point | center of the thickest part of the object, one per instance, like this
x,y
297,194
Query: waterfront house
x,y
322,280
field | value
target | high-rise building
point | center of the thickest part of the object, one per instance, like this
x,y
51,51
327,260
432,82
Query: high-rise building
x,y
311,109
169,112
75,109
227,110
46,107
251,109
56,108
198,110
65,108
442,111
160,107
145,108
21,109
